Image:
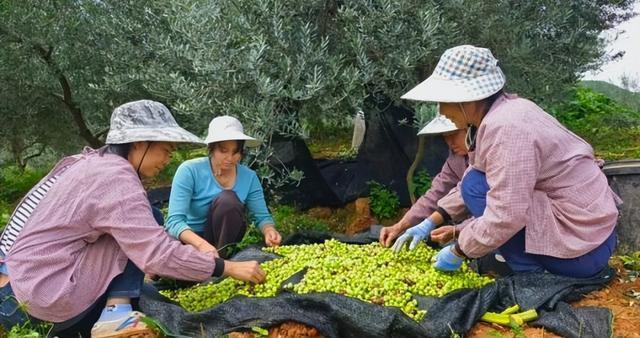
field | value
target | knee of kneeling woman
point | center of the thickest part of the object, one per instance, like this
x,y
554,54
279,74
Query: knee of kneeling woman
x,y
474,183
474,190
227,199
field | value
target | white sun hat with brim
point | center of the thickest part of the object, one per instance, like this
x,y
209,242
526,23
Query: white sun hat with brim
x,y
146,120
439,125
464,73
228,128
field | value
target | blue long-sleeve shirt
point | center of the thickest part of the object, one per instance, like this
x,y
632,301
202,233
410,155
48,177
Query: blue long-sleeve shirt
x,y
194,188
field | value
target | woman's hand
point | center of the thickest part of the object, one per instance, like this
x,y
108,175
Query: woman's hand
x,y
389,234
443,234
245,271
416,234
201,244
271,236
448,259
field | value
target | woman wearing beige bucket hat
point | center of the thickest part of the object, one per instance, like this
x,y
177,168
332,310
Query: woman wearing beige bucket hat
x,y
209,194
79,241
534,188
418,218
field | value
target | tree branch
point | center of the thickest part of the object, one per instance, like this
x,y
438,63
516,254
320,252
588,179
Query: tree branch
x,y
45,53
38,153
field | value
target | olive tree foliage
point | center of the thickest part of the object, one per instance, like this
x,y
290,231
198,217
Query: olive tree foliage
x,y
54,53
279,66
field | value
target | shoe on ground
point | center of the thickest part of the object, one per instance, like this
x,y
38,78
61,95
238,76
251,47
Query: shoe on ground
x,y
126,327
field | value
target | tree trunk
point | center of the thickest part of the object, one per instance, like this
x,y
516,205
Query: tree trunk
x,y
67,98
16,149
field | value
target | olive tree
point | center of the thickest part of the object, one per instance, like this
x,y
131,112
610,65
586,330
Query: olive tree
x,y
280,66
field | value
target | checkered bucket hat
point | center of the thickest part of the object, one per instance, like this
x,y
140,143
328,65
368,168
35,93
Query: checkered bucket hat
x,y
463,74
146,120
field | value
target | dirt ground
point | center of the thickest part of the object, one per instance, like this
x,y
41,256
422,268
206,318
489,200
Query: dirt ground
x,y
621,297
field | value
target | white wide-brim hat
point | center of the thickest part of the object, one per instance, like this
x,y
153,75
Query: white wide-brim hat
x,y
146,120
228,128
439,125
464,73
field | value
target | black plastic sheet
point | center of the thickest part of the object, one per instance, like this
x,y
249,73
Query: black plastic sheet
x,y
340,316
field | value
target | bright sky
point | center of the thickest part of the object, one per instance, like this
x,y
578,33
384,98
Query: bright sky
x,y
628,41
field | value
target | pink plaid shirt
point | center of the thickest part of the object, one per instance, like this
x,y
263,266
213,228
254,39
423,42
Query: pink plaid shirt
x,y
81,234
542,177
447,178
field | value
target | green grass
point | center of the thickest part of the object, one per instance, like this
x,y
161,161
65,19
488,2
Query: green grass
x,y
15,183
631,261
331,143
622,96
289,220
28,330
611,128
384,202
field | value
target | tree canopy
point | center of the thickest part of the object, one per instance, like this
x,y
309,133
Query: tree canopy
x,y
280,66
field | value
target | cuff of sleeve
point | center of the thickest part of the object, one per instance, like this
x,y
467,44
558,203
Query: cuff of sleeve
x,y
262,224
445,215
180,230
459,250
414,219
219,267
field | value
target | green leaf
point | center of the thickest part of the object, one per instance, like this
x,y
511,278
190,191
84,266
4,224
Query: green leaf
x,y
260,331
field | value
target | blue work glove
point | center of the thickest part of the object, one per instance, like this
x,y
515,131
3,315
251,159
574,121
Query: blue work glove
x,y
446,260
418,233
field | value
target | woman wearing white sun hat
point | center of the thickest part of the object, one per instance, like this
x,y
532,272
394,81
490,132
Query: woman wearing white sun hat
x,y
422,212
534,188
209,194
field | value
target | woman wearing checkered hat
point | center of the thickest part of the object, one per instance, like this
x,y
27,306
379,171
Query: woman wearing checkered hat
x,y
77,244
533,187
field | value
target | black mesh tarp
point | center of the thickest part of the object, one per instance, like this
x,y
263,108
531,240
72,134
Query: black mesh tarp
x,y
340,316
388,149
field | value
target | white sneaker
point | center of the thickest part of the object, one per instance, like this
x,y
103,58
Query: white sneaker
x,y
126,327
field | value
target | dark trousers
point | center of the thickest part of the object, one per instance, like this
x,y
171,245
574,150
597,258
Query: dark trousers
x,y
474,192
226,223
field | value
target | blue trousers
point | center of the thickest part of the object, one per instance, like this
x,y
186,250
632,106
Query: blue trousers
x,y
10,311
474,190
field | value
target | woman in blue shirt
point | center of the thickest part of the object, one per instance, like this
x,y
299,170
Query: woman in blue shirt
x,y
209,195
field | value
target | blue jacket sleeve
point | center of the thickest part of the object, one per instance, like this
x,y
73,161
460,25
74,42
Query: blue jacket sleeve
x,y
180,200
256,204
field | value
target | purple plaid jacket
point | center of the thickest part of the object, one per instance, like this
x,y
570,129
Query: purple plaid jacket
x,y
542,177
82,233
